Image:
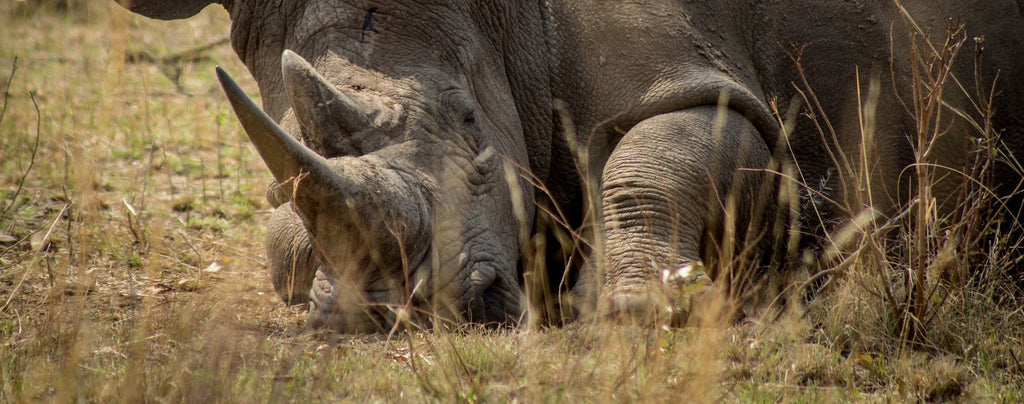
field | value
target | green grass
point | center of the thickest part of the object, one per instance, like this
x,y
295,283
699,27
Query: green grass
x,y
143,183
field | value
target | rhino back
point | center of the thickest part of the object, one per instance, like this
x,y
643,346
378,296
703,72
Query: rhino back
x,y
621,62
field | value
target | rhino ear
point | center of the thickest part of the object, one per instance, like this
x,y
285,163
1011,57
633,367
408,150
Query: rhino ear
x,y
165,9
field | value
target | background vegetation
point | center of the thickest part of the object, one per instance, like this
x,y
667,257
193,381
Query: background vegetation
x,y
132,269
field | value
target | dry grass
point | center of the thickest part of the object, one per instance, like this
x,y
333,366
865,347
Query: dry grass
x,y
131,268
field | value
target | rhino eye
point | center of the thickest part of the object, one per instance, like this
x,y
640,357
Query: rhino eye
x,y
469,118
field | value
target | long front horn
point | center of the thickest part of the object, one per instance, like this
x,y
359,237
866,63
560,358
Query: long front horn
x,y
285,157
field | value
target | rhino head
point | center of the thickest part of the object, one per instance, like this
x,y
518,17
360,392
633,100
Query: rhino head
x,y
389,128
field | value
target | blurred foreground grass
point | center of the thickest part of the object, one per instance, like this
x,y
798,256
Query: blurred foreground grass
x,y
131,266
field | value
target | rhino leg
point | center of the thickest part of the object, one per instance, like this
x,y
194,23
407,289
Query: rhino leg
x,y
668,192
290,253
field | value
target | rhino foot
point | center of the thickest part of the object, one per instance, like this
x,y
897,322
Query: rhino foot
x,y
673,301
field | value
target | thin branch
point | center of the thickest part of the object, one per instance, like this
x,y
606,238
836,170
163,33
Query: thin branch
x,y
186,56
31,161
7,91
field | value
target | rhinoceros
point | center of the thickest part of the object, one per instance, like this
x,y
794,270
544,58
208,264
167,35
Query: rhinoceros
x,y
414,144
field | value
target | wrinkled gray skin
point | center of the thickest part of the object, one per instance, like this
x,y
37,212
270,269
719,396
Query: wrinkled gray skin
x,y
411,115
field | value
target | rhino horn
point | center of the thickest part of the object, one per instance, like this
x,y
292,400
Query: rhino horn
x,y
346,200
285,156
325,111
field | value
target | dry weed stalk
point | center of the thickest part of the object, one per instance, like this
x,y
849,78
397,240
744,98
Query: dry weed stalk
x,y
904,275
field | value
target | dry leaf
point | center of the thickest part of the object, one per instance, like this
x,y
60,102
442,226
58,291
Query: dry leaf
x,y
213,267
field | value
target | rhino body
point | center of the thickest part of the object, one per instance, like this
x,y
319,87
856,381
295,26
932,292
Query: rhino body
x,y
408,138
